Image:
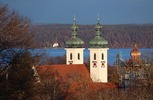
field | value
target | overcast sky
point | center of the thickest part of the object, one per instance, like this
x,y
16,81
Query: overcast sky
x,y
86,11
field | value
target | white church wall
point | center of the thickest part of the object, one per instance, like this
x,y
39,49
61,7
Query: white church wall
x,y
98,67
74,52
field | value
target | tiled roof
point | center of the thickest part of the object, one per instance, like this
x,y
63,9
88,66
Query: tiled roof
x,y
76,75
83,88
64,71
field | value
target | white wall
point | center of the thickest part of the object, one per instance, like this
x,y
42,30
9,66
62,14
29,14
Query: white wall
x,y
74,52
99,73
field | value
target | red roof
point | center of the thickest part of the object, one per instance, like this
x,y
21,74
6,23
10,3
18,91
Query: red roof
x,y
76,75
64,71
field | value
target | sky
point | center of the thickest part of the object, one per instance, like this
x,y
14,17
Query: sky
x,y
86,11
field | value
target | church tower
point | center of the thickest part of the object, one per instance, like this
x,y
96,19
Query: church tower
x,y
98,57
74,50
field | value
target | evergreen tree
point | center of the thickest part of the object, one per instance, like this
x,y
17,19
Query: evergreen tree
x,y
21,80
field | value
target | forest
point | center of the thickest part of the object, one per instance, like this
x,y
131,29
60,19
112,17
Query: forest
x,y
118,36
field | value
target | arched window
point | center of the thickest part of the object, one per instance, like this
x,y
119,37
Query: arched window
x,y
102,56
78,56
94,56
70,56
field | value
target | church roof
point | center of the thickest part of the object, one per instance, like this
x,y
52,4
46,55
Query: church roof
x,y
76,75
64,71
135,61
74,41
135,53
80,89
98,41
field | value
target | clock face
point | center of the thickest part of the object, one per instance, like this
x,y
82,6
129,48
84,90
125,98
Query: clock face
x,y
94,64
102,64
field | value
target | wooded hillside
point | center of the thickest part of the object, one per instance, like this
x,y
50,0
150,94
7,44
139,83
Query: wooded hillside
x,y
118,36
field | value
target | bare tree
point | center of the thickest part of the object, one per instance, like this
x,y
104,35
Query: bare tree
x,y
143,86
52,86
79,87
15,32
87,63
55,60
15,38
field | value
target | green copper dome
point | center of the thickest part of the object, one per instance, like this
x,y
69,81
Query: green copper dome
x,y
74,41
98,26
98,41
74,26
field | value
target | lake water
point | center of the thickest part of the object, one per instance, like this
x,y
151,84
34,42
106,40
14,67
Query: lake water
x,y
125,53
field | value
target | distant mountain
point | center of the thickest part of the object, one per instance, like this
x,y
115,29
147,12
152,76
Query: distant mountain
x,y
118,36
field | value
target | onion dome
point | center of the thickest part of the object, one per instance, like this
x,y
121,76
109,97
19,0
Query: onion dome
x,y
135,53
74,41
98,41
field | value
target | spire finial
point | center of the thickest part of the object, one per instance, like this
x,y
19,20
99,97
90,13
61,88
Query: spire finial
x,y
98,17
74,17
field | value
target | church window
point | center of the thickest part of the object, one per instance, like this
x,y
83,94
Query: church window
x,y
78,56
94,56
102,56
70,56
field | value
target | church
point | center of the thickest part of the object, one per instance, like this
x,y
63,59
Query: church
x,y
74,71
98,53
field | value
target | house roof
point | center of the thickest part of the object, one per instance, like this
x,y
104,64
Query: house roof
x,y
76,75
64,71
83,88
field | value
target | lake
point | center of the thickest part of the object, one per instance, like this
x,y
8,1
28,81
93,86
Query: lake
x,y
125,53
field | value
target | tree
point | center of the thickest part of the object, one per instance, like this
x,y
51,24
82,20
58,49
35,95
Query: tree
x,y
21,82
52,88
15,32
60,59
87,63
113,76
16,62
55,60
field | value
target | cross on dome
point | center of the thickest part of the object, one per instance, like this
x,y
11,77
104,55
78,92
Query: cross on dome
x,y
74,41
74,17
135,53
98,41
